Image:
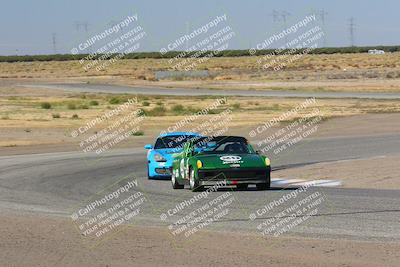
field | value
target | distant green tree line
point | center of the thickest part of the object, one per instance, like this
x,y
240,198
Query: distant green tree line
x,y
172,54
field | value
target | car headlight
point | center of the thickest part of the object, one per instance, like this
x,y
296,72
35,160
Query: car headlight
x,y
267,162
159,158
199,164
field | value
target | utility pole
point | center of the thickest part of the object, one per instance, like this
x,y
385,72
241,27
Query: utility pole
x,y
352,26
85,26
187,33
275,15
278,16
285,15
54,39
275,20
322,16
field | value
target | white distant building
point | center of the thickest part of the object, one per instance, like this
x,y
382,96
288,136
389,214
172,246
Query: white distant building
x,y
376,52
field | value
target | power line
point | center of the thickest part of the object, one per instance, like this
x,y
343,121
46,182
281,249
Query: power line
x,y
352,26
187,33
275,15
322,16
82,24
54,40
85,25
284,15
281,16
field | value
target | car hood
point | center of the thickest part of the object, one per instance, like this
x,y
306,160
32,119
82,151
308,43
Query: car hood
x,y
218,161
166,152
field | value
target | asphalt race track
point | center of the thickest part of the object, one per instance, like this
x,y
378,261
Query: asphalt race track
x,y
55,183
117,89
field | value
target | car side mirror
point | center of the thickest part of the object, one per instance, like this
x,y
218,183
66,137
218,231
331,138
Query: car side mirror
x,y
148,146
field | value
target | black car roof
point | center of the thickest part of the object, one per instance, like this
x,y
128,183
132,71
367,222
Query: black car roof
x,y
229,138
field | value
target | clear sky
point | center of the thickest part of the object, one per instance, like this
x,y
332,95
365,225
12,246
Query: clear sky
x,y
27,26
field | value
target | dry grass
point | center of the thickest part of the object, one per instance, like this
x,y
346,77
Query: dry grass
x,y
352,72
23,121
145,67
27,111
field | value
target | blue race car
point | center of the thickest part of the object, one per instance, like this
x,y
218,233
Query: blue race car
x,y
159,156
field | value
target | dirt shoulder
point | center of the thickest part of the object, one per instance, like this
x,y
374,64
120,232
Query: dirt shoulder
x,y
53,241
375,173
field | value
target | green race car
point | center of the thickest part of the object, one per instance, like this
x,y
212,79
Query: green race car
x,y
226,160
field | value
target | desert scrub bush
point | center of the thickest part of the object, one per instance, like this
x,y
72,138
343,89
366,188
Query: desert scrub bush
x,y
371,74
137,133
94,103
215,111
75,116
392,75
146,103
45,105
119,99
71,106
114,101
84,106
56,116
178,109
157,111
236,106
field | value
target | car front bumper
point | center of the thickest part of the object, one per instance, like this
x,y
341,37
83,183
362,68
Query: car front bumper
x,y
163,171
234,176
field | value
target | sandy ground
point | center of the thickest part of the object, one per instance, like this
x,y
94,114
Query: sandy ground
x,y
381,172
32,240
42,139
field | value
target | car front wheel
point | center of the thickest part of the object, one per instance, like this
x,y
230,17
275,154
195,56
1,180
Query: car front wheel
x,y
175,184
148,173
194,184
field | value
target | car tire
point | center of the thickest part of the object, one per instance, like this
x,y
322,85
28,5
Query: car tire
x,y
175,184
263,186
242,186
148,173
193,183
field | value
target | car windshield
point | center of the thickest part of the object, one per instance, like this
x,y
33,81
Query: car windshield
x,y
173,141
229,147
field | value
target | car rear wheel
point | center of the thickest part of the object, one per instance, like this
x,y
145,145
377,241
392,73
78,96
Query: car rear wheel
x,y
242,186
193,183
175,184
